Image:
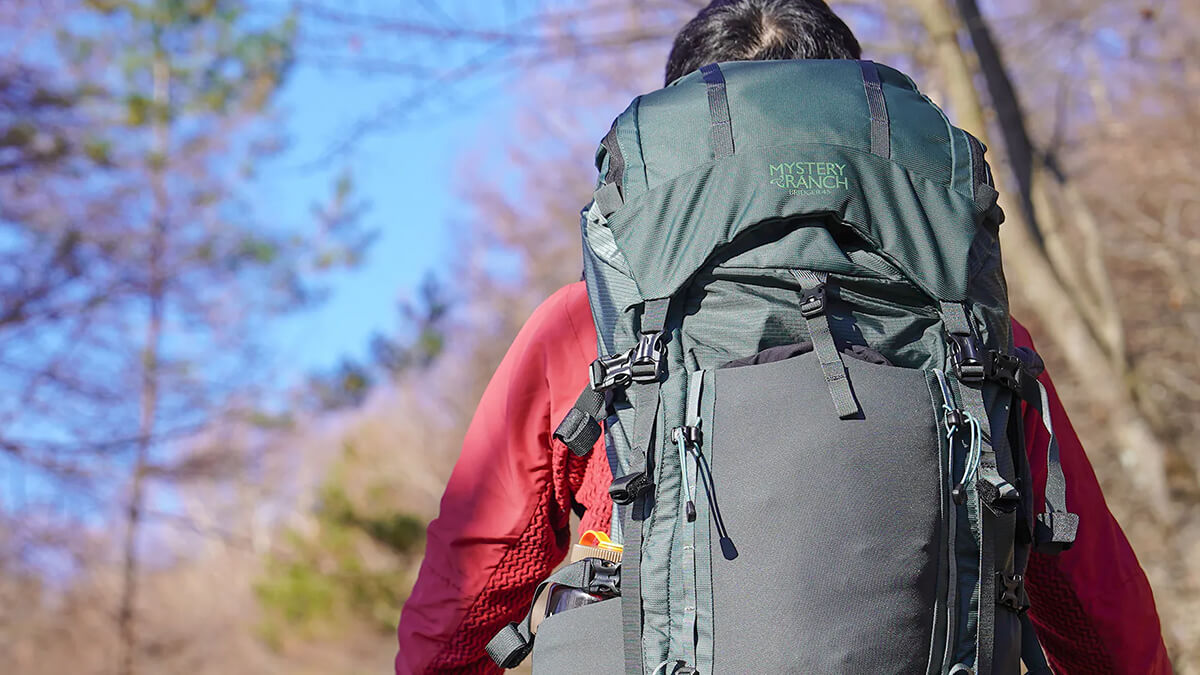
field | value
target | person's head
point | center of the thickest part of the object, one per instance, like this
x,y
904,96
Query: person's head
x,y
760,30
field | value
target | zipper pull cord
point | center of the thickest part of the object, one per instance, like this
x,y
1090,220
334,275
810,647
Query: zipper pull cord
x,y
954,420
727,548
688,489
971,470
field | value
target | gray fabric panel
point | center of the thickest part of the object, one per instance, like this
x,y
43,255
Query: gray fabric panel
x,y
837,522
584,639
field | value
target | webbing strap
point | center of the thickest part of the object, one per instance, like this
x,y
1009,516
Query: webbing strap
x,y
718,110
580,429
654,315
985,638
988,494
654,319
1031,649
881,142
513,643
1056,527
813,309
631,594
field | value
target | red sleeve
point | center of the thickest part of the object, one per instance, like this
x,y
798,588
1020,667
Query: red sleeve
x,y
504,521
1092,605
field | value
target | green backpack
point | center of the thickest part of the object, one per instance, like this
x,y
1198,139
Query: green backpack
x,y
809,394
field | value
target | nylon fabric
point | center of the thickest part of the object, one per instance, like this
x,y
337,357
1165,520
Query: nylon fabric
x,y
920,227
588,635
848,581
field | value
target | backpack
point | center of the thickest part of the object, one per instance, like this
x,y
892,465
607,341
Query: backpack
x,y
809,394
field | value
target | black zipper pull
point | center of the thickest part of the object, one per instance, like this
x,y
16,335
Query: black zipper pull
x,y
727,548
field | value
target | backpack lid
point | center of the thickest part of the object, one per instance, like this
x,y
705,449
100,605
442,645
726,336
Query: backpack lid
x,y
834,141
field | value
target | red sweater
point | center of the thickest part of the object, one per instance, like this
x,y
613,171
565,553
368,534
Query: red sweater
x,y
505,521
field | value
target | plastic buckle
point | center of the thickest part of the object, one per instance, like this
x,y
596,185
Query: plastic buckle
x,y
1005,369
626,489
602,576
812,303
646,359
968,362
610,371
1010,592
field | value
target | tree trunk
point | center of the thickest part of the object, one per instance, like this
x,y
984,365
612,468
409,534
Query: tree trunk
x,y
150,356
1027,263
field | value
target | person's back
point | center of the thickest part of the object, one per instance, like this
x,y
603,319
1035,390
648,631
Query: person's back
x,y
832,543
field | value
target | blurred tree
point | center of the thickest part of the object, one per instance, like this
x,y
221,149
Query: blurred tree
x,y
353,564
141,271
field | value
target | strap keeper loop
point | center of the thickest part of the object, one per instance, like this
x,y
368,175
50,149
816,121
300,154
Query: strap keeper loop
x,y
510,647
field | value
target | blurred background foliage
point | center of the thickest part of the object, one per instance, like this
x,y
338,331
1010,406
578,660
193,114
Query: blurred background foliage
x,y
167,505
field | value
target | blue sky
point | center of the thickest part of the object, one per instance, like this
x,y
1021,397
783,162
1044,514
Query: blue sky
x,y
405,174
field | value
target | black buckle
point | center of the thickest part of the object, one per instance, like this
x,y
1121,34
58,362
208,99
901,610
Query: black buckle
x,y
1005,369
646,359
968,362
642,364
812,303
626,489
610,371
1014,373
1010,592
602,576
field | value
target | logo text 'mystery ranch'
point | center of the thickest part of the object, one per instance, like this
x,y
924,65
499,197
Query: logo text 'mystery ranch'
x,y
807,177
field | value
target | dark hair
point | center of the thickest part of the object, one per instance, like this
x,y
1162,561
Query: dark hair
x,y
760,30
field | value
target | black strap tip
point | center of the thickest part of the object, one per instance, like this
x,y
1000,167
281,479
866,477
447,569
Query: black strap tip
x,y
579,432
1055,532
